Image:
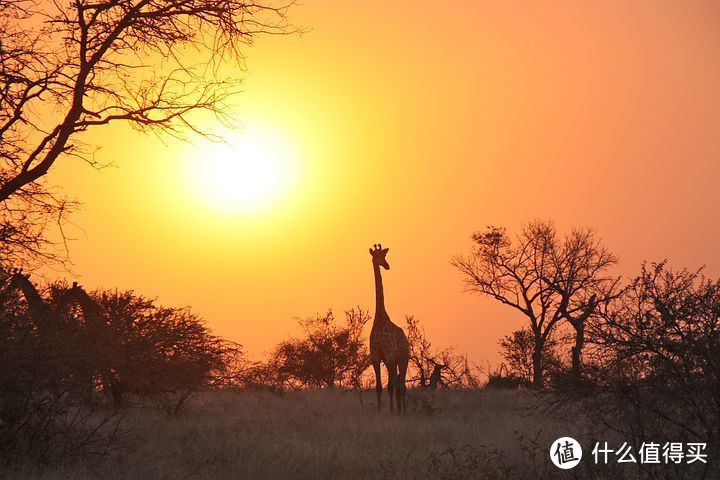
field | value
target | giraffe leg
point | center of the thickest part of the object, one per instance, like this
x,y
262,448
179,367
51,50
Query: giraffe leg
x,y
378,383
392,382
398,394
402,390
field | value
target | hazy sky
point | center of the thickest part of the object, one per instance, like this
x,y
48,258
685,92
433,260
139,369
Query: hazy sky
x,y
414,123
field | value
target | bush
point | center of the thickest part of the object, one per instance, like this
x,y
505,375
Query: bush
x,y
328,354
656,359
158,351
64,354
517,350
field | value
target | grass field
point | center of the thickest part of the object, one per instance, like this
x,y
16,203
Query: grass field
x,y
489,434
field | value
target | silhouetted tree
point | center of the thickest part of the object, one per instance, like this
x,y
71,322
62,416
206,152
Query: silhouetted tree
x,y
42,415
580,265
529,272
656,353
517,351
55,359
68,67
328,354
421,362
430,367
257,374
159,351
120,343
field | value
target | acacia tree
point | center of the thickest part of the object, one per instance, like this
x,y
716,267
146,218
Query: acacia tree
x,y
527,274
329,354
160,352
70,66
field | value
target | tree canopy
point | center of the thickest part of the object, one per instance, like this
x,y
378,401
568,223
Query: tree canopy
x,y
70,66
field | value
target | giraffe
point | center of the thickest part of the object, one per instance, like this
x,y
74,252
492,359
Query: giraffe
x,y
388,343
39,311
46,322
436,376
100,341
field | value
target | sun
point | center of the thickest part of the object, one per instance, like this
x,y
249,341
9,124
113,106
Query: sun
x,y
252,171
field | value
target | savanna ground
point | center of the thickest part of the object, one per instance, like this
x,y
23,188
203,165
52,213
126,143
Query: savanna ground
x,y
488,434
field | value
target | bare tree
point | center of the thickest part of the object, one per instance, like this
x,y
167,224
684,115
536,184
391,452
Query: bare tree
x,y
71,66
527,274
430,367
580,277
421,355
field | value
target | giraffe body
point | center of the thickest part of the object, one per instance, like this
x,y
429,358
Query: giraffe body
x,y
388,343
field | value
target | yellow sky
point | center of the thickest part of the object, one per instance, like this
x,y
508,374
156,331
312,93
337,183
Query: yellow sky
x,y
414,124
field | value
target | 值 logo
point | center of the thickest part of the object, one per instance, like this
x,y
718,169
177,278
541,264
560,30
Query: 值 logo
x,y
565,452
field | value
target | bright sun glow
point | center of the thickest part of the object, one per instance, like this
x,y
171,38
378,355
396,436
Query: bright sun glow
x,y
253,171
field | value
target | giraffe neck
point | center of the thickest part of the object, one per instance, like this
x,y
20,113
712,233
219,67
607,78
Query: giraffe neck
x,y
32,297
87,305
379,295
37,308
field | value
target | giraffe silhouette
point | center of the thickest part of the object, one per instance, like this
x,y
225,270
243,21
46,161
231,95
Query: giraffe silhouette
x,y
39,311
99,341
388,343
47,321
436,376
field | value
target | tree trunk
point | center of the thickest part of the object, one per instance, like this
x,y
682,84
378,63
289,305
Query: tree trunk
x,y
579,326
537,364
577,350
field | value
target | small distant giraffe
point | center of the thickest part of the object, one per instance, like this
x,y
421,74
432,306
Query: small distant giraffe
x,y
436,376
388,343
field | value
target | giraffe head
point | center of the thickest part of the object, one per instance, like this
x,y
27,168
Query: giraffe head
x,y
77,291
18,277
378,256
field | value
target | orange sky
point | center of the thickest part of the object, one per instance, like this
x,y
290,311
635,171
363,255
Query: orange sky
x,y
415,123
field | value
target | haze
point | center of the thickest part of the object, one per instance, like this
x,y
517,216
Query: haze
x,y
414,124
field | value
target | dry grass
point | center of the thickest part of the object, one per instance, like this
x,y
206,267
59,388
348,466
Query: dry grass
x,y
328,434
